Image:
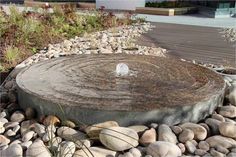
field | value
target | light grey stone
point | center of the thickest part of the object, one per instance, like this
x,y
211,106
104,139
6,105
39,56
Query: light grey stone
x,y
181,147
83,143
216,153
51,129
66,149
233,150
94,130
2,129
3,120
230,120
17,116
218,117
218,140
222,150
39,129
10,133
166,134
163,149
38,149
127,154
139,128
16,128
4,140
176,129
26,145
70,134
232,96
232,154
16,142
54,144
194,142
199,131
95,152
135,152
10,125
214,125
228,129
204,145
3,114
119,138
28,136
48,136
228,111
154,125
190,147
14,150
186,135
200,152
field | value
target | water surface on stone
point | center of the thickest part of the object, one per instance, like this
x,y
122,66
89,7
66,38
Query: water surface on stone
x,y
90,82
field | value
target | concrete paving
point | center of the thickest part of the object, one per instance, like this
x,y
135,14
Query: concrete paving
x,y
195,19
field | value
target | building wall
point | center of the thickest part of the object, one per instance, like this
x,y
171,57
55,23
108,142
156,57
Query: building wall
x,y
120,4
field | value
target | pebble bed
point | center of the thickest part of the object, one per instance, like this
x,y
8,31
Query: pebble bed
x,y
22,134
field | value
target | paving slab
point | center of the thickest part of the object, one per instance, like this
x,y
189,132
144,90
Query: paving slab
x,y
193,20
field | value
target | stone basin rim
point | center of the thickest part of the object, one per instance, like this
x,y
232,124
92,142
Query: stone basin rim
x,y
67,103
171,115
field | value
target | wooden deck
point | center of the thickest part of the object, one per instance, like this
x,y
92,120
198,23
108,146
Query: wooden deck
x,y
204,44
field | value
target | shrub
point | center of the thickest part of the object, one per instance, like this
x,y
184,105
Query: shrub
x,y
24,33
11,55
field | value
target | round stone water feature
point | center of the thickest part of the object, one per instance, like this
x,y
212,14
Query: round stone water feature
x,y
130,89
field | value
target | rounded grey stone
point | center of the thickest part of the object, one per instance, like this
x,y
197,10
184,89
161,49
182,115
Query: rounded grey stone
x,y
87,89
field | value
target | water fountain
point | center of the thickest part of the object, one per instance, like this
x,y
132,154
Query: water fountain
x,y
130,89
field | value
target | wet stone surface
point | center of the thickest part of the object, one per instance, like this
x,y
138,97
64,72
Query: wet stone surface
x,y
90,82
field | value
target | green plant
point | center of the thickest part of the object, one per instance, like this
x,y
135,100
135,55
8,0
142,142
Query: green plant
x,y
93,22
11,54
2,23
15,17
24,33
2,68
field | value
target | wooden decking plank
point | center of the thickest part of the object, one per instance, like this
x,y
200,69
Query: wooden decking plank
x,y
203,44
